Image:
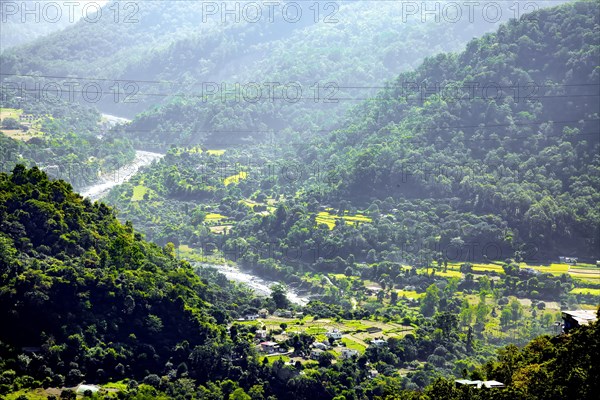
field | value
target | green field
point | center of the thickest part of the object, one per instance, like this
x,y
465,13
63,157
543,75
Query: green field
x,y
138,193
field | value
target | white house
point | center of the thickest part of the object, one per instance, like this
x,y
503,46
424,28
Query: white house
x,y
480,384
378,343
335,334
349,353
261,334
320,346
316,353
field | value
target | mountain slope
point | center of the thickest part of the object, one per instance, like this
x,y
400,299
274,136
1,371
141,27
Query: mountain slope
x,y
442,177
94,298
175,50
531,158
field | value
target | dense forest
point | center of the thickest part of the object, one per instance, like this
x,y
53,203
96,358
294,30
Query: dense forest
x,y
174,54
431,178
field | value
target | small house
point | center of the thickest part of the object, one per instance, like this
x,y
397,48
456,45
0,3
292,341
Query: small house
x,y
568,260
252,317
479,384
316,353
335,334
373,373
349,353
269,347
263,313
576,318
261,334
378,343
320,346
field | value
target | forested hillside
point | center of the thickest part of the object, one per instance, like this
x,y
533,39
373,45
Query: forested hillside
x,y
174,53
69,140
434,177
113,305
529,158
420,217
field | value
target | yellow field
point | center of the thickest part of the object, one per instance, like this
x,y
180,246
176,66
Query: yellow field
x,y
215,152
235,178
214,217
449,273
324,217
410,294
488,267
594,292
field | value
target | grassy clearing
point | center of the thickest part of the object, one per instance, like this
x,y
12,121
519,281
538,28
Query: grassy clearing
x,y
138,193
220,229
35,394
353,345
274,357
10,113
215,152
116,385
33,127
242,175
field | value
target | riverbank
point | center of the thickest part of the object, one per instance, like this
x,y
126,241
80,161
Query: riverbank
x,y
259,285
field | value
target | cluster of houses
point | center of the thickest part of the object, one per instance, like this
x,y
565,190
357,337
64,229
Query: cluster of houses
x,y
264,313
318,348
27,118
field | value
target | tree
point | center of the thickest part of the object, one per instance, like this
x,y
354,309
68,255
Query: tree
x,y
516,309
325,359
278,294
430,302
10,123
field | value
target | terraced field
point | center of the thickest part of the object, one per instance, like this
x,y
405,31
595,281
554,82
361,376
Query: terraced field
x,y
324,217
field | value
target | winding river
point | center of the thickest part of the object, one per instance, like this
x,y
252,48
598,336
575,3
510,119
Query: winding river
x,y
111,179
143,158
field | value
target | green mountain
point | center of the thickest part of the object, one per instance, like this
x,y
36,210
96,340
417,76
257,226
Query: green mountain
x,y
91,297
176,54
460,176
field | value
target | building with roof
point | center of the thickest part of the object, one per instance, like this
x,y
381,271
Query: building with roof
x,y
335,334
378,343
269,347
480,384
349,353
576,318
316,353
